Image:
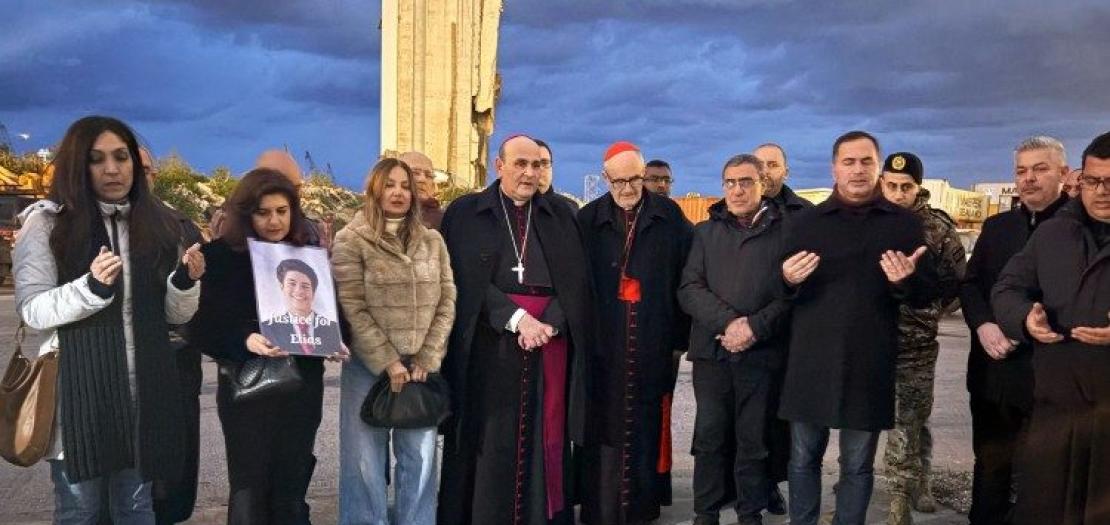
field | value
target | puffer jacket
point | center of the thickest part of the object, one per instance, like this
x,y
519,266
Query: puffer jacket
x,y
45,304
400,303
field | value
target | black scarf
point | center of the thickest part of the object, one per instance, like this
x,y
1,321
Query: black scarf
x,y
103,429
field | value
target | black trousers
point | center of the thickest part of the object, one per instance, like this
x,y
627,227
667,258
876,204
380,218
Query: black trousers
x,y
996,435
734,408
269,450
174,499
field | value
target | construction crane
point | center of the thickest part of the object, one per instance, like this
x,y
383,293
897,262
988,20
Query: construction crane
x,y
311,163
313,169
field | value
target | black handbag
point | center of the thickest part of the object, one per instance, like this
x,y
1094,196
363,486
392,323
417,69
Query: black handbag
x,y
262,377
417,405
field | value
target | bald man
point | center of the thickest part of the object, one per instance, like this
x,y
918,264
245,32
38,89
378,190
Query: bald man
x,y
430,211
281,161
777,170
517,353
637,242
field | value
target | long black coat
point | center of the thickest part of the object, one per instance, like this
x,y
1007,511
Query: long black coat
x,y
1064,472
734,272
659,250
473,234
1009,381
844,324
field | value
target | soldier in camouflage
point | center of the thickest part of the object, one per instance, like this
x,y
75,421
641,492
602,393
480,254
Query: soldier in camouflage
x,y
909,445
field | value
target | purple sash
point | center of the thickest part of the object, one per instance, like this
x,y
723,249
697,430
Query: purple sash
x,y
554,355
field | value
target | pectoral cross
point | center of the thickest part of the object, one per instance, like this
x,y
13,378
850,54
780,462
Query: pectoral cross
x,y
519,269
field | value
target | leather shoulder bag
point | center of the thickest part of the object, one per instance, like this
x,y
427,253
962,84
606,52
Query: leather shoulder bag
x,y
27,405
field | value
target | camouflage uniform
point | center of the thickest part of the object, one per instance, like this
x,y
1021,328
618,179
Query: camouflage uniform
x,y
909,446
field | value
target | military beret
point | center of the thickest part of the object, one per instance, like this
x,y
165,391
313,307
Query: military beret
x,y
905,163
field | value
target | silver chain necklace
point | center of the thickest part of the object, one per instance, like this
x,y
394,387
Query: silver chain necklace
x,y
519,268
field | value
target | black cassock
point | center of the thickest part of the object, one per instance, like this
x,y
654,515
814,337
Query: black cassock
x,y
633,371
507,455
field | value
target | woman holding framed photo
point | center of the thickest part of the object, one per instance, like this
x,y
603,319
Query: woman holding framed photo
x,y
269,436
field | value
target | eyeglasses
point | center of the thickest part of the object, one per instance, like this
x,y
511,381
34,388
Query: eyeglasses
x,y
659,179
620,184
744,184
1092,183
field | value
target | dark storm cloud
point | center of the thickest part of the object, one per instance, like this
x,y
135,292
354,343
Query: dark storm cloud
x,y
336,28
691,81
215,81
960,82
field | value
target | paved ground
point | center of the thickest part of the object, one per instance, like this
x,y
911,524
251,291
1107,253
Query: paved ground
x,y
26,498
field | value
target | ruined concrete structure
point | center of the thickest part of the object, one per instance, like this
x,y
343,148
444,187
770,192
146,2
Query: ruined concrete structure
x,y
440,82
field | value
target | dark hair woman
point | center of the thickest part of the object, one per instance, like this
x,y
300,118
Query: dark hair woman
x,y
269,441
97,266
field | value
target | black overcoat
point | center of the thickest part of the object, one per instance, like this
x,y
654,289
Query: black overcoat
x,y
1067,458
473,234
1009,381
844,323
659,249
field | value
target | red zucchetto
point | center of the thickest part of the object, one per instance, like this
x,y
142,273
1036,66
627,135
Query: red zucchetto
x,y
619,147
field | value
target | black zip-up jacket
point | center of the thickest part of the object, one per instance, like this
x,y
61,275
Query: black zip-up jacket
x,y
733,271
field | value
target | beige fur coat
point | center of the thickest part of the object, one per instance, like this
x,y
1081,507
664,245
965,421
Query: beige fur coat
x,y
399,303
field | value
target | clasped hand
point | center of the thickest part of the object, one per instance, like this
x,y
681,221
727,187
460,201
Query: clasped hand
x,y
533,334
738,335
399,374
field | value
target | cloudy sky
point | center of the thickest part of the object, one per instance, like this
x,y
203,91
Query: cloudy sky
x,y
691,81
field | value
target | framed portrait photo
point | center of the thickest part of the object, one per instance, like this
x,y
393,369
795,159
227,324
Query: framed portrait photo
x,y
296,298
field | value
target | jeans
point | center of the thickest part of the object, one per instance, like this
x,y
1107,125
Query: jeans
x,y
857,475
364,461
129,500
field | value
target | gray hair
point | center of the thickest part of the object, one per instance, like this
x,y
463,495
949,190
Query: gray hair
x,y
1043,142
745,158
